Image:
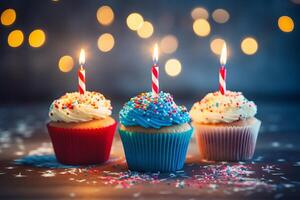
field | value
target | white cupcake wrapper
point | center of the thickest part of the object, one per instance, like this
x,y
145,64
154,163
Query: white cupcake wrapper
x,y
227,143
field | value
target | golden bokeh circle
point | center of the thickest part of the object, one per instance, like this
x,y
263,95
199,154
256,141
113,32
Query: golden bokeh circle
x,y
8,17
169,44
199,13
201,27
249,46
105,15
15,38
106,42
173,67
286,24
134,21
220,16
37,38
216,45
146,30
66,63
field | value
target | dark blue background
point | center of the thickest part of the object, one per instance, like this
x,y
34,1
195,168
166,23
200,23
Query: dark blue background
x,y
28,74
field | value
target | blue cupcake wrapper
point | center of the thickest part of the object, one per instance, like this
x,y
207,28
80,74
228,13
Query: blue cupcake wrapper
x,y
151,152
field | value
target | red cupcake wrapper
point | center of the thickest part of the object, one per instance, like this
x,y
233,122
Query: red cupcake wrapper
x,y
82,146
228,143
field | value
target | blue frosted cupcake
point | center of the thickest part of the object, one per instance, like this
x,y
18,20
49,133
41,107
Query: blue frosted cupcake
x,y
155,133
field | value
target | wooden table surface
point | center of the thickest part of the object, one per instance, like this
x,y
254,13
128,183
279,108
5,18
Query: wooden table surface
x,y
28,169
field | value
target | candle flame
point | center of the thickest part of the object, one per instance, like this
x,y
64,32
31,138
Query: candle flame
x,y
82,57
155,53
223,57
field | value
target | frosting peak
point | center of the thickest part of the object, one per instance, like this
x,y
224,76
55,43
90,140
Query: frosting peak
x,y
74,107
150,112
218,108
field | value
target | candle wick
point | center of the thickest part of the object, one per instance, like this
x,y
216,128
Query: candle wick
x,y
81,67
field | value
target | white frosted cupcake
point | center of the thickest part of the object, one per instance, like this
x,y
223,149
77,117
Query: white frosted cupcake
x,y
81,128
225,126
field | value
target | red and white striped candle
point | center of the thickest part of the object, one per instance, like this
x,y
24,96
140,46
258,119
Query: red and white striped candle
x,y
155,73
222,71
81,73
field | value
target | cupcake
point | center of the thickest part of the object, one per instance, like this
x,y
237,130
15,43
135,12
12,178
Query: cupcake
x,y
225,126
81,128
155,133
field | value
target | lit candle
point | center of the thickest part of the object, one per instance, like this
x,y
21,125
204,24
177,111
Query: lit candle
x,y
222,72
81,73
155,73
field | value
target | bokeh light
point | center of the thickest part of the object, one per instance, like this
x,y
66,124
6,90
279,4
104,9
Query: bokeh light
x,y
249,46
201,27
173,67
216,45
146,30
286,24
37,38
105,15
15,38
296,1
106,42
134,21
8,17
220,16
169,44
199,13
66,63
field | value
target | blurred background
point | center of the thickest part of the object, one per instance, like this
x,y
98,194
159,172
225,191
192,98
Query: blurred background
x,y
40,43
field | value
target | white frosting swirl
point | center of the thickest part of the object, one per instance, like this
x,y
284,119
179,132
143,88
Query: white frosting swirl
x,y
218,108
74,107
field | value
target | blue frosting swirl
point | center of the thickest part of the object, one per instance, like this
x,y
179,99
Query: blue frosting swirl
x,y
150,112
